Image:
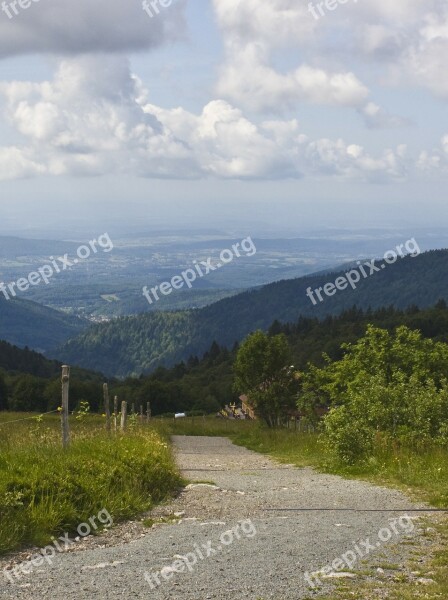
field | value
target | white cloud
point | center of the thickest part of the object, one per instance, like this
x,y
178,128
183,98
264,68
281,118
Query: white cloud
x,y
252,31
436,160
353,162
409,38
376,117
425,61
225,144
250,82
15,164
88,121
274,23
86,26
95,118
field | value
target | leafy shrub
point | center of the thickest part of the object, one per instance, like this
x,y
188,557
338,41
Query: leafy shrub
x,y
395,384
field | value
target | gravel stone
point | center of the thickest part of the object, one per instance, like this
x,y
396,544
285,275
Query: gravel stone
x,y
269,566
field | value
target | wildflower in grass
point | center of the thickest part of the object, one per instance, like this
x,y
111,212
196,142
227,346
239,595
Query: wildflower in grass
x,y
83,411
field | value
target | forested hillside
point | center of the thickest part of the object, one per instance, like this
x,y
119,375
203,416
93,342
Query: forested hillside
x,y
24,323
29,381
206,383
24,360
139,344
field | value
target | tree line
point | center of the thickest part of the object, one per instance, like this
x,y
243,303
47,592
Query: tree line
x,y
204,383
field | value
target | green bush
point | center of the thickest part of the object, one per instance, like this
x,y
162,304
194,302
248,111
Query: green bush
x,y
392,384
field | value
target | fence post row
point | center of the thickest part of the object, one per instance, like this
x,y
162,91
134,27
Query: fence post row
x,y
106,406
64,406
115,412
124,414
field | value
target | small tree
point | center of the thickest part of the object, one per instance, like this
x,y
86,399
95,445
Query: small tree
x,y
263,372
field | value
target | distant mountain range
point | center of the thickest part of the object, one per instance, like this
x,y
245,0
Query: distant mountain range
x,y
133,345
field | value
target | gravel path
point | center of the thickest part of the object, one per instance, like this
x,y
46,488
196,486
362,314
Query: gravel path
x,y
264,557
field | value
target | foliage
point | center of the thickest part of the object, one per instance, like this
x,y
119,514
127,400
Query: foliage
x,y
139,344
264,373
25,323
3,393
187,385
83,411
393,383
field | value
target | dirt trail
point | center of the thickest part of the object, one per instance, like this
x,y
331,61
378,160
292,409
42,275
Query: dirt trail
x,y
235,545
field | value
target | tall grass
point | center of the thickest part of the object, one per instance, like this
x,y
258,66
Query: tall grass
x,y
422,471
45,490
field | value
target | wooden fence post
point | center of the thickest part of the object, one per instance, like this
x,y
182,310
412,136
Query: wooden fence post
x,y
148,411
115,411
106,406
141,413
64,412
124,414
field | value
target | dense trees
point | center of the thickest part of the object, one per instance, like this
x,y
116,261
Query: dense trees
x,y
205,383
28,394
26,323
3,393
132,345
25,360
202,385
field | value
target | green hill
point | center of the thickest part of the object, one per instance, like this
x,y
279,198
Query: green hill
x,y
24,323
20,361
133,345
207,383
24,360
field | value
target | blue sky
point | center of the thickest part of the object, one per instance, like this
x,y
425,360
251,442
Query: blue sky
x,y
224,111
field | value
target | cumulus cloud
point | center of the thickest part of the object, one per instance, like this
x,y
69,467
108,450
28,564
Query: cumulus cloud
x,y
15,164
248,80
408,38
95,117
275,23
424,60
88,121
227,145
86,26
435,160
353,162
376,117
252,31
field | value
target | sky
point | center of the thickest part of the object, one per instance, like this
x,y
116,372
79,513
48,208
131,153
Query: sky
x,y
219,112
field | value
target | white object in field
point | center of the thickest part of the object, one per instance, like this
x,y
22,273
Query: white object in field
x,y
180,415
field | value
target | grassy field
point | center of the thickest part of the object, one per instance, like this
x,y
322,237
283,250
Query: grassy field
x,y
46,491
